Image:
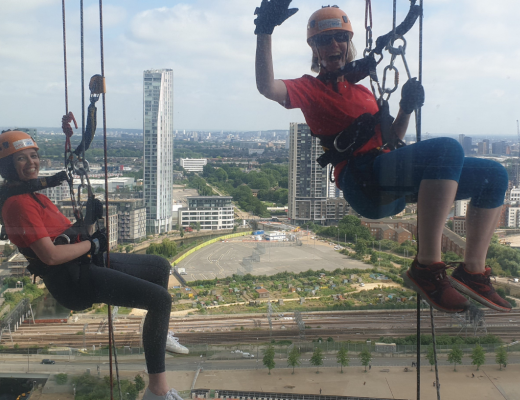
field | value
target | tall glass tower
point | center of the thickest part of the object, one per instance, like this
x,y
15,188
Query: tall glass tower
x,y
158,148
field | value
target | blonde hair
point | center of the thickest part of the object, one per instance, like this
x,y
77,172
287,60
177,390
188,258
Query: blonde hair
x,y
315,63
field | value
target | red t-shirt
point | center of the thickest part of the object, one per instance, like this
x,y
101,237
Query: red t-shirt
x,y
328,112
26,221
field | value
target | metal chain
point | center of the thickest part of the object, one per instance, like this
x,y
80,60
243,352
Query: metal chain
x,y
368,28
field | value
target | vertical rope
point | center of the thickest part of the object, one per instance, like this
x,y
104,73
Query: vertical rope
x,y
418,349
65,56
435,355
107,220
418,139
82,78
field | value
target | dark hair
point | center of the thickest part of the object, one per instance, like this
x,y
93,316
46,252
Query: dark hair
x,y
7,169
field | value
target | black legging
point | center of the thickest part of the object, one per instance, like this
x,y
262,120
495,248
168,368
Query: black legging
x,y
133,280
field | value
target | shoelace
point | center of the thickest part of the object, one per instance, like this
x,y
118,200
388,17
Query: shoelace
x,y
485,277
439,274
170,335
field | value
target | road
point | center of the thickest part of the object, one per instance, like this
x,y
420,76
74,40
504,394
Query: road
x,y
241,214
132,363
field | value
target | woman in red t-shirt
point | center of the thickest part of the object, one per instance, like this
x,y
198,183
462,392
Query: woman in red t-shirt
x,y
32,223
435,171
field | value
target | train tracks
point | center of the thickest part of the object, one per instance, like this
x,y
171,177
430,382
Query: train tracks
x,y
340,325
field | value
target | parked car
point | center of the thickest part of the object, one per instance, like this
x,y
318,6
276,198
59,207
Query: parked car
x,y
47,361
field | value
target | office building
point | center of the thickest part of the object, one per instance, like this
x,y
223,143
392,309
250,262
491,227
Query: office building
x,y
461,206
211,212
498,148
131,219
158,149
308,182
193,164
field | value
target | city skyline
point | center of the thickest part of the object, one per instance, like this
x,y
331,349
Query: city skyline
x,y
469,74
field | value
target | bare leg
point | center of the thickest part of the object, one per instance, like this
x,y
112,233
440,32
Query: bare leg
x,y
157,384
480,226
436,198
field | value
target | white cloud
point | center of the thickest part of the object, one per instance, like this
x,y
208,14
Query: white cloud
x,y
470,61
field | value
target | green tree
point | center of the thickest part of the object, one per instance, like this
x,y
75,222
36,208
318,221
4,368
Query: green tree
x,y
366,357
478,356
61,379
361,247
139,383
8,250
455,356
293,360
342,357
317,358
128,249
501,356
181,231
430,355
268,359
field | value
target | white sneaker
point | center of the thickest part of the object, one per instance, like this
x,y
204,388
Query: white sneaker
x,y
171,395
173,345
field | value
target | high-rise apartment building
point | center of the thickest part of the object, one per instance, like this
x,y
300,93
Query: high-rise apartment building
x,y
309,184
158,148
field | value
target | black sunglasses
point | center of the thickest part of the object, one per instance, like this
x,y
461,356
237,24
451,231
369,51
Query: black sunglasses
x,y
325,40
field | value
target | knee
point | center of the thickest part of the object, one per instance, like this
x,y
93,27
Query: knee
x,y
164,299
162,264
449,147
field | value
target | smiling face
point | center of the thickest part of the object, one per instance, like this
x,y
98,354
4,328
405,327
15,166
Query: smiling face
x,y
331,49
27,164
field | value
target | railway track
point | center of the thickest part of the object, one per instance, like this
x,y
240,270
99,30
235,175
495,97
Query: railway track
x,y
246,336
340,325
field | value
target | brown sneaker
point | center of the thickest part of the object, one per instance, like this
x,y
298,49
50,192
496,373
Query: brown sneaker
x,y
478,287
433,284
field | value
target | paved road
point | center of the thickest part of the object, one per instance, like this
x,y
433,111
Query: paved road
x,y
192,363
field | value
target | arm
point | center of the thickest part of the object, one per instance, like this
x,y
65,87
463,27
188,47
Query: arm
x,y
400,124
56,255
273,89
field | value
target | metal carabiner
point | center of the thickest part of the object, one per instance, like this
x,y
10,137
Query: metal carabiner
x,y
396,79
399,50
336,144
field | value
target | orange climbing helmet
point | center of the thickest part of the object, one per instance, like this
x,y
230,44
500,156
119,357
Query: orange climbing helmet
x,y
14,141
328,18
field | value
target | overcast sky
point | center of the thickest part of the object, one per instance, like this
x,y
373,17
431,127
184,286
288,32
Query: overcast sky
x,y
471,61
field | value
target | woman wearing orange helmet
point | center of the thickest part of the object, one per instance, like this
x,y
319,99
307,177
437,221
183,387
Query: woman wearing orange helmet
x,y
33,223
377,181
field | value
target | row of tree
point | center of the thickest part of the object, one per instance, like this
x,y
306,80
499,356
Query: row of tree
x,y
317,358
478,356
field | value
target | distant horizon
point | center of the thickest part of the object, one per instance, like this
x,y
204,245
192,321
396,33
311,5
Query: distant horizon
x,y
512,137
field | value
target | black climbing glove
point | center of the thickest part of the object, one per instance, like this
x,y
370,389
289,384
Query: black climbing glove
x,y
93,211
272,13
412,96
98,242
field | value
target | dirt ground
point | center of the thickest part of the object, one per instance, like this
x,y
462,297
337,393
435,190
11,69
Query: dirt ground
x,y
488,384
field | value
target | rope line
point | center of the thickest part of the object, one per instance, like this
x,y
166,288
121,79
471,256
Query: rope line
x,y
65,56
107,220
82,77
435,356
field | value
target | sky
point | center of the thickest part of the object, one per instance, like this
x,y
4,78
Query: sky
x,y
471,56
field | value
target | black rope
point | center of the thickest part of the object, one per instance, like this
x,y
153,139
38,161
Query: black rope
x,y
107,220
435,355
65,56
82,78
418,349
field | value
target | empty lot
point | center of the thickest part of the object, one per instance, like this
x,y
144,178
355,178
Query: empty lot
x,y
223,259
